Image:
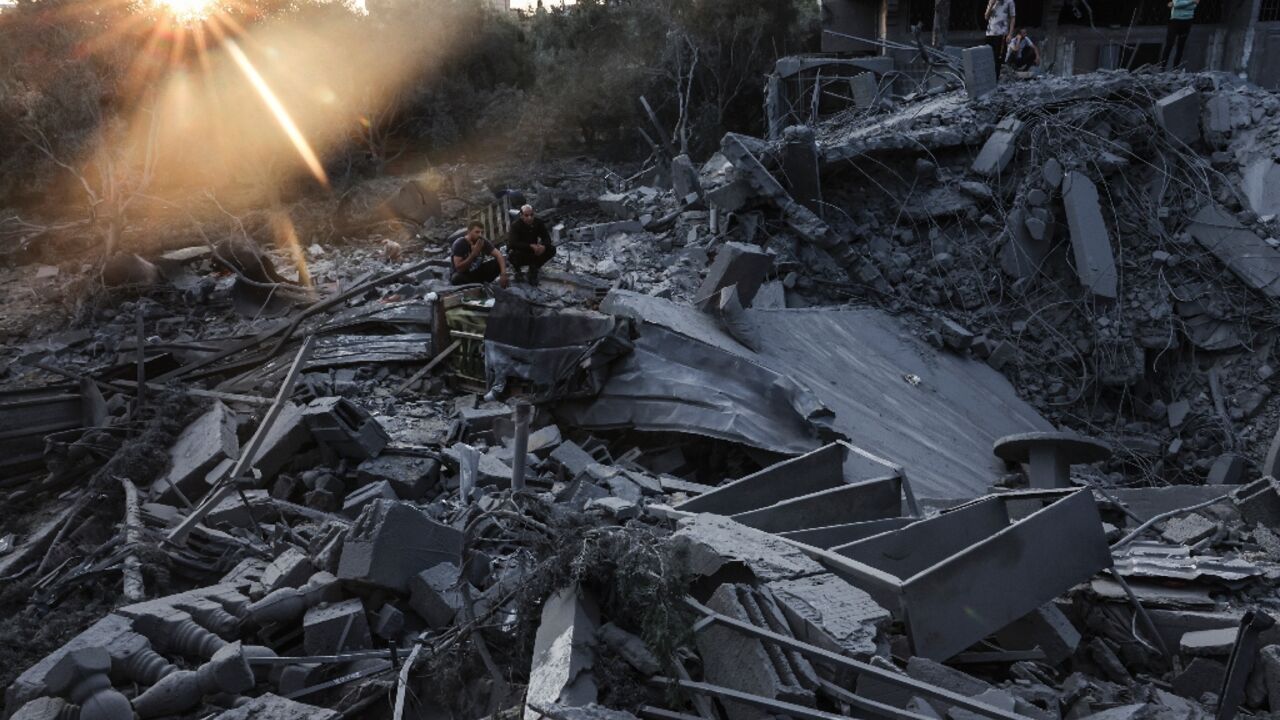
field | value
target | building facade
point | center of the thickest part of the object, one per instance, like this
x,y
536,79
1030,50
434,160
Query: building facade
x,y
1078,36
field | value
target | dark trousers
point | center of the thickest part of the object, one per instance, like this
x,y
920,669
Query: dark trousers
x,y
1024,59
997,46
1175,41
521,258
487,272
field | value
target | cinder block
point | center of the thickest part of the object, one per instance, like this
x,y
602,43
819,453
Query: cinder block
x,y
391,542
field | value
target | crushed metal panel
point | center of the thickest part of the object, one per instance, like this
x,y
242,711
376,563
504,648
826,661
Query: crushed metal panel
x,y
827,467
979,574
670,383
844,533
998,580
870,500
860,359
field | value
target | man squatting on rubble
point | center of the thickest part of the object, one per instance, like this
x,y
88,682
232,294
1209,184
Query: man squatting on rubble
x,y
1023,53
529,244
1001,16
476,260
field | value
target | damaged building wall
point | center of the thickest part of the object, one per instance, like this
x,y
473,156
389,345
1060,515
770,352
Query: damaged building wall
x,y
1239,37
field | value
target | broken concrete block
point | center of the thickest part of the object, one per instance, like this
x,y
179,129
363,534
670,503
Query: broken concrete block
x,y
826,611
349,429
284,439
1217,115
954,335
1052,173
979,71
714,542
733,660
206,442
1201,676
1188,529
801,166
434,594
1260,183
866,90
572,458
1228,469
290,569
684,177
618,508
1046,628
736,264
391,542
1209,643
273,707
615,204
630,648
1177,412
410,476
358,499
1022,253
331,629
1250,257
1179,114
1090,241
999,149
563,654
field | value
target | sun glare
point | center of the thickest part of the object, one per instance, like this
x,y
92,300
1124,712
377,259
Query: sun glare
x,y
188,10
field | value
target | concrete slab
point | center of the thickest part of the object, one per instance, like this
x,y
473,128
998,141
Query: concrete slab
x,y
1179,114
979,71
1261,185
391,542
336,627
563,654
1250,257
715,542
201,446
999,149
733,660
273,707
735,264
826,611
1090,241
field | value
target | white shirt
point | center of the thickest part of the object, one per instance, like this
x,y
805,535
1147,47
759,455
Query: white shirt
x,y
998,24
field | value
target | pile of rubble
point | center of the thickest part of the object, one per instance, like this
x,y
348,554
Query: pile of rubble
x,y
1023,476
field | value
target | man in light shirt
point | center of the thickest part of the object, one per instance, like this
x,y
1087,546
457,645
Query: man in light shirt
x,y
1175,38
1001,16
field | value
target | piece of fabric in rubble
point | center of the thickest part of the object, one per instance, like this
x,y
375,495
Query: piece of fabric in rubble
x,y
560,353
673,383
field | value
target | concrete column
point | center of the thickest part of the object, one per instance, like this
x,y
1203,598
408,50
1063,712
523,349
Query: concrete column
x,y
523,414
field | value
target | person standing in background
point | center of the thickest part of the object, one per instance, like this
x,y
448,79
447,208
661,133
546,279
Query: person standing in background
x,y
1001,16
1175,38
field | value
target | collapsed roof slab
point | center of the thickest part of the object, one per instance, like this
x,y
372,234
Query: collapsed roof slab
x,y
935,414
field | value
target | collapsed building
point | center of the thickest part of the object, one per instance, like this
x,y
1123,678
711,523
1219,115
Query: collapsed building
x,y
957,403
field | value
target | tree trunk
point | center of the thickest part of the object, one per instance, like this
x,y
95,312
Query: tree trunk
x,y
941,19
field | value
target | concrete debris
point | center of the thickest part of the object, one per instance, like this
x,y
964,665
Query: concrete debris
x,y
998,151
1090,241
825,418
563,654
1179,115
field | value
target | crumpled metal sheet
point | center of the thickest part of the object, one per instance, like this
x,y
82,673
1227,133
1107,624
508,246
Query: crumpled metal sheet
x,y
673,383
936,414
561,353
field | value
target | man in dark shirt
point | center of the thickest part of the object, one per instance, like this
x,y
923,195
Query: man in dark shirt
x,y
476,260
529,244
